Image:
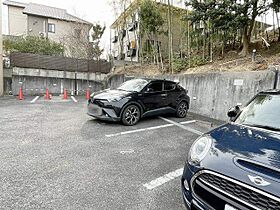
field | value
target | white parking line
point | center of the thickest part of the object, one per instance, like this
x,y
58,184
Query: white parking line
x,y
35,99
147,129
182,126
74,99
163,179
130,151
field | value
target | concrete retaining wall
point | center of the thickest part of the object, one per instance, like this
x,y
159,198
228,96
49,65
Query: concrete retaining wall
x,y
214,93
115,80
38,85
35,81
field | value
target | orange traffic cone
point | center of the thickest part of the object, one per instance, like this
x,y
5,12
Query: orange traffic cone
x,y
47,95
65,96
20,96
88,94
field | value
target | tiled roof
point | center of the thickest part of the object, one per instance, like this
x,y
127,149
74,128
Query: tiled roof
x,y
46,11
15,3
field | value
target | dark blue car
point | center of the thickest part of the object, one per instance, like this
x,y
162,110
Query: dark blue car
x,y
237,165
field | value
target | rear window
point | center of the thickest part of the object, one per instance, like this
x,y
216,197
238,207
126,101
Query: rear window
x,y
169,86
155,86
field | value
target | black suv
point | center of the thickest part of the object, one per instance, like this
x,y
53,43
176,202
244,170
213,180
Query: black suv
x,y
139,98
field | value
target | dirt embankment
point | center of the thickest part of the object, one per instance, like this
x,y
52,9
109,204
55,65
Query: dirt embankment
x,y
232,62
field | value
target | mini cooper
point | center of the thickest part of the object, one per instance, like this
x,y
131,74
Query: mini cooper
x,y
237,165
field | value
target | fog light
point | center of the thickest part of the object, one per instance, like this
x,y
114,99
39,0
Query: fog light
x,y
186,185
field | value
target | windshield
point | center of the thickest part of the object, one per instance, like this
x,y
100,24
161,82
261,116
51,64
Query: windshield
x,y
263,111
134,85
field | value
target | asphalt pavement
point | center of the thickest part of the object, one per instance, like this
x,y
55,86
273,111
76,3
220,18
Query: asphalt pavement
x,y
54,156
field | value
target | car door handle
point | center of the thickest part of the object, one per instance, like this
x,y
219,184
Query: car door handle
x,y
164,95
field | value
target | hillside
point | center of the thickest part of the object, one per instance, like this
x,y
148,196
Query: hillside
x,y
231,62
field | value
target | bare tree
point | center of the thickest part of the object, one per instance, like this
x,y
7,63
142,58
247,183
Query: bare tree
x,y
76,41
170,42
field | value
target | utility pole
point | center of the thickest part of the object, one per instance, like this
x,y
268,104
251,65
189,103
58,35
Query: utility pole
x,y
170,56
1,56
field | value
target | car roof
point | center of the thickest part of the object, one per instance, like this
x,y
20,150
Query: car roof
x,y
158,80
271,91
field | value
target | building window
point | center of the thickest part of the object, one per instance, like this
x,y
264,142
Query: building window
x,y
51,27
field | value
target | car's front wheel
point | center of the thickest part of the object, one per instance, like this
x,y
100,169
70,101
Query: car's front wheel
x,y
131,115
182,109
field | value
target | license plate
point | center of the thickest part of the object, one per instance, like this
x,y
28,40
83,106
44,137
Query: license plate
x,y
228,207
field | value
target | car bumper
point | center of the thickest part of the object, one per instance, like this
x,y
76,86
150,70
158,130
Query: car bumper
x,y
209,189
102,113
190,201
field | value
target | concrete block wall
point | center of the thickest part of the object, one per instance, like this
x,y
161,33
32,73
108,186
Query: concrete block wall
x,y
38,85
213,94
35,81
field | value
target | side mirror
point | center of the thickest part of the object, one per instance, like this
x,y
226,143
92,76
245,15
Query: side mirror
x,y
234,112
149,90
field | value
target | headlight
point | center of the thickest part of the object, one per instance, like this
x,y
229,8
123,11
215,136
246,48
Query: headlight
x,y
199,149
114,99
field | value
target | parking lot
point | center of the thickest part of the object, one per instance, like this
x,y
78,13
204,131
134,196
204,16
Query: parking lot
x,y
54,156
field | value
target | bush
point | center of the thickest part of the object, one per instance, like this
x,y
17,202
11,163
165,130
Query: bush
x,y
180,64
35,45
198,61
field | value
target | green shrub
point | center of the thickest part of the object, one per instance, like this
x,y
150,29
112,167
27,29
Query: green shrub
x,y
35,45
197,61
181,64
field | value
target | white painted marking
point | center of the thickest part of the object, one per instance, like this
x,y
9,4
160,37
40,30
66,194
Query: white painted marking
x,y
147,129
74,99
35,99
127,151
182,126
188,122
163,179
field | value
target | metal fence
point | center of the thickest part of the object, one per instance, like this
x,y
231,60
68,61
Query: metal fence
x,y
28,60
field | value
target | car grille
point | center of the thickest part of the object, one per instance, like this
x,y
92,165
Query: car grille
x,y
233,192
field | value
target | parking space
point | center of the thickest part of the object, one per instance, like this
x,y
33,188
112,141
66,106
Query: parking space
x,y
56,157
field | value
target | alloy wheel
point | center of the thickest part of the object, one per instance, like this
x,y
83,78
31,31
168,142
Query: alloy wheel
x,y
182,109
131,115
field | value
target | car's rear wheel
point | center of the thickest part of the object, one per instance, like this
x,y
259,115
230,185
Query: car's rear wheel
x,y
182,109
131,115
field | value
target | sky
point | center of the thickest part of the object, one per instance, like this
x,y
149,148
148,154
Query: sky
x,y
95,11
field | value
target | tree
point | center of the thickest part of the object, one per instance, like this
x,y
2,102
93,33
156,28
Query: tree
x,y
76,41
170,41
151,21
230,15
246,14
151,18
275,5
96,35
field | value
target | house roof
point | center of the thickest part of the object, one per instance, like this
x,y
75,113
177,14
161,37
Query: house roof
x,y
46,11
133,7
15,3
